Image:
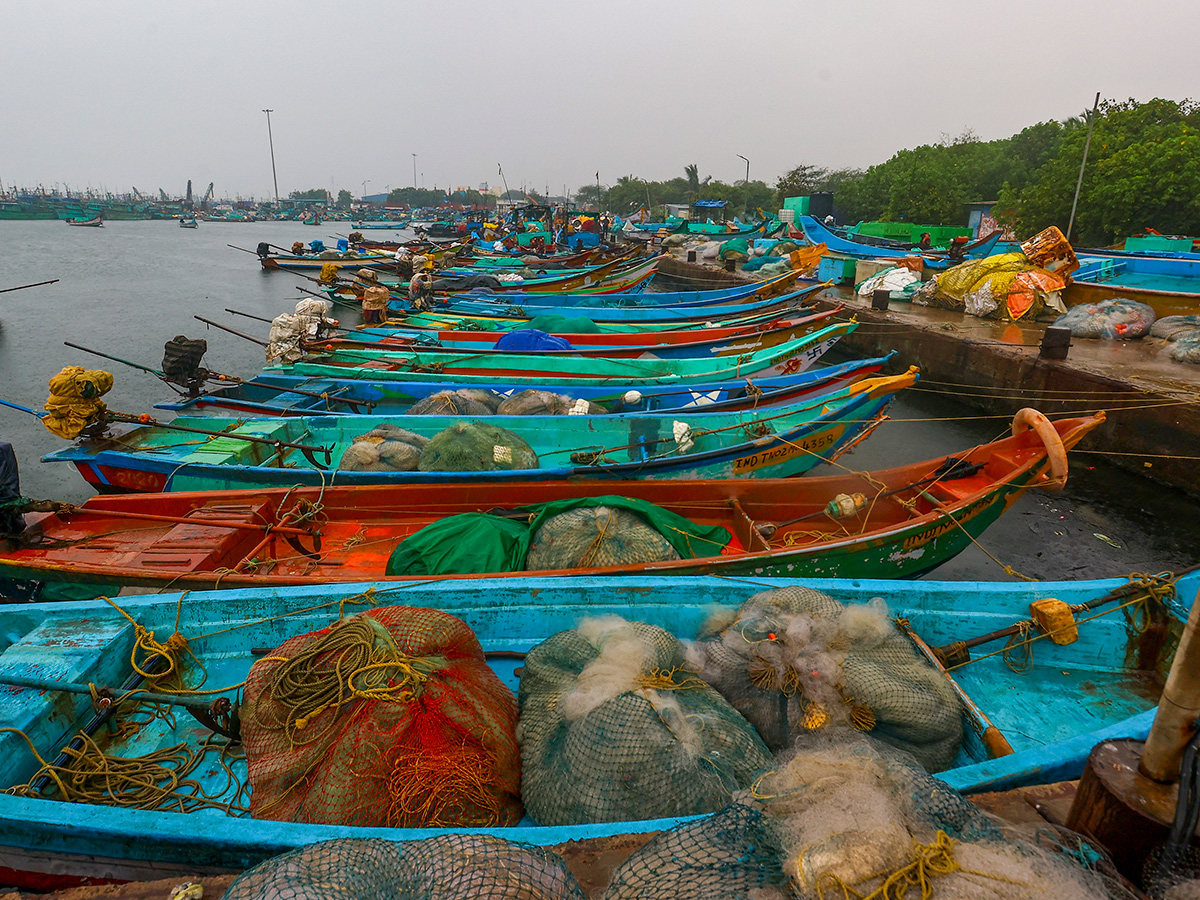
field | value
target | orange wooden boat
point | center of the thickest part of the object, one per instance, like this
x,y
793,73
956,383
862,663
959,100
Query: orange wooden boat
x,y
917,516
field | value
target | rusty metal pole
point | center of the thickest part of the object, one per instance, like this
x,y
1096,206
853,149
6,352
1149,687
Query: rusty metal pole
x,y
1087,144
1179,707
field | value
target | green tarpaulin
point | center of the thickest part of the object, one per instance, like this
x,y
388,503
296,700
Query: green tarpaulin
x,y
475,543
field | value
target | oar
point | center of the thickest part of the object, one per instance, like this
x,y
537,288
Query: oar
x,y
23,286
247,337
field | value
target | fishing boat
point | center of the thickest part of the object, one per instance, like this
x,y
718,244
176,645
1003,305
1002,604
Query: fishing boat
x,y
816,233
915,517
94,222
1021,725
273,394
654,345
532,369
285,451
188,223
1169,284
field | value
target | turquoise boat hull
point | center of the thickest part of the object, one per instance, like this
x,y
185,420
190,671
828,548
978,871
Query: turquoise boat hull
x,y
1072,696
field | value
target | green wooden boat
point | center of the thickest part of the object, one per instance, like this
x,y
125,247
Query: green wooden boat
x,y
531,368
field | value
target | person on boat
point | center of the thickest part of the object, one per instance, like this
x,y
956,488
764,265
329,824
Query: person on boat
x,y
420,289
375,303
926,242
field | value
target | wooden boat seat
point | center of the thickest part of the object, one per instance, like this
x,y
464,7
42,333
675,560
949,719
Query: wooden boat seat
x,y
200,547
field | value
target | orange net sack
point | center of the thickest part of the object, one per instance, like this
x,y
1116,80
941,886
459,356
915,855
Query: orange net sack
x,y
391,718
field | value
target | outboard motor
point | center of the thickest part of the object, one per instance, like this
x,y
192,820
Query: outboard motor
x,y
264,250
181,361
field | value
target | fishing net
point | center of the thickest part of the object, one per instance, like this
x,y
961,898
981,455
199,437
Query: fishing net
x,y
450,867
795,660
476,447
181,358
391,719
384,448
1187,348
1117,319
462,402
734,854
613,728
855,815
1172,328
1005,285
545,403
590,537
74,401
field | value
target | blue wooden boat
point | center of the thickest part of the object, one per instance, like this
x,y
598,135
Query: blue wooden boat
x,y
1049,715
816,233
1168,283
643,447
269,394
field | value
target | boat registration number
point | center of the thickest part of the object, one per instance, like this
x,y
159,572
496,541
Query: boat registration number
x,y
814,443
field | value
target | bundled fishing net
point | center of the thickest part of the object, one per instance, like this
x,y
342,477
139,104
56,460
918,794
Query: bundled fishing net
x,y
1187,348
74,401
857,817
384,448
1005,285
589,537
734,854
290,330
545,403
450,867
737,249
1114,320
795,660
614,728
1172,328
462,402
476,447
391,718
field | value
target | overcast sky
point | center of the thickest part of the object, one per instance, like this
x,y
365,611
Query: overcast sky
x,y
150,94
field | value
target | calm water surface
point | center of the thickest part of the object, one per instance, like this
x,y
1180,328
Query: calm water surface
x,y
128,287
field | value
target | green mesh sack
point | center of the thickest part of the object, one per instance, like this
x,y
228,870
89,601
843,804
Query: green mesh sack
x,y
464,402
384,448
733,854
476,447
612,728
796,660
450,867
591,537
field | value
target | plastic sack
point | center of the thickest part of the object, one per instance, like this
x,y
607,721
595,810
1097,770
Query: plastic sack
x,y
524,340
901,281
1117,319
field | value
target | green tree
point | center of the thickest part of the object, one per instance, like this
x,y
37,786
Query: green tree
x,y
801,181
692,173
317,194
344,199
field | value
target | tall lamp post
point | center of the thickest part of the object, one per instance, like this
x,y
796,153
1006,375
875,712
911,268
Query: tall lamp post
x,y
739,156
414,170
271,140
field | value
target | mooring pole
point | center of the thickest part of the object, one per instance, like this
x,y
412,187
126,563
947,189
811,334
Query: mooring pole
x,y
1086,146
1178,708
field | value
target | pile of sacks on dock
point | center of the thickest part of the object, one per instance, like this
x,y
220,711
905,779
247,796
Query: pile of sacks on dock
x,y
393,718
1121,319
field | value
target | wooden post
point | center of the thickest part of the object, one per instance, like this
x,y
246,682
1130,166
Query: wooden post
x,y
730,265
880,300
1178,708
691,256
1056,342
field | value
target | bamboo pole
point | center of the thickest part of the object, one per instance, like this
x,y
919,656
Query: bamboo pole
x,y
1178,708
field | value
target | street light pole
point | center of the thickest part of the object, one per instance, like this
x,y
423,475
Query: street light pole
x,y
414,170
271,139
739,156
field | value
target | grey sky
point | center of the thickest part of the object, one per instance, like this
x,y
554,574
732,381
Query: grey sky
x,y
122,93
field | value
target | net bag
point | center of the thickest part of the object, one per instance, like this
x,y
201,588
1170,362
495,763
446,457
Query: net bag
x,y
181,357
795,660
614,729
1114,320
1172,328
730,855
595,536
854,815
385,448
476,447
464,402
545,403
451,867
389,719
1187,348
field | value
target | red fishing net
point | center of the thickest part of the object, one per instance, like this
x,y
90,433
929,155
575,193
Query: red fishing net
x,y
391,718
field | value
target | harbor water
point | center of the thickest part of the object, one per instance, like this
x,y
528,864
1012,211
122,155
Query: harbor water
x,y
127,288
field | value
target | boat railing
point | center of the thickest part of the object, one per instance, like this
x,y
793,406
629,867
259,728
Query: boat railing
x,y
1100,270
